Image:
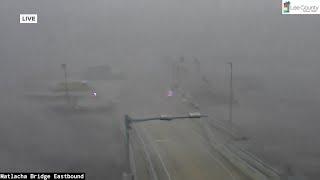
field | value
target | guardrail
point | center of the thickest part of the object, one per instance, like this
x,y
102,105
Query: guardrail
x,y
255,161
249,165
252,161
245,161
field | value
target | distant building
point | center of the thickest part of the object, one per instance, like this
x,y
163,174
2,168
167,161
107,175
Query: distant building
x,y
102,72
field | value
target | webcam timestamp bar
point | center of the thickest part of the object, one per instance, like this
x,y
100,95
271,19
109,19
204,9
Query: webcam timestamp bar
x,y
43,176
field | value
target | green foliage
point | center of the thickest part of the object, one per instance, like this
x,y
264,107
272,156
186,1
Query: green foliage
x,y
72,87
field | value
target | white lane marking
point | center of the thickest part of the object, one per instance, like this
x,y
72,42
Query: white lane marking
x,y
214,158
159,156
161,140
147,154
134,162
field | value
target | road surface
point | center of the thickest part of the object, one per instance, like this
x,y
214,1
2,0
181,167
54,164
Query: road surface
x,y
175,149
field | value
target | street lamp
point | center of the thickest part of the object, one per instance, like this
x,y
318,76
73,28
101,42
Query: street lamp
x,y
231,94
197,63
128,122
64,67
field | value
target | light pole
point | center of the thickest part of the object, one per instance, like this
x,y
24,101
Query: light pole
x,y
64,67
231,94
197,63
128,122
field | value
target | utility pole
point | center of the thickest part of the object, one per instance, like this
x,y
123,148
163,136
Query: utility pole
x,y
180,71
64,67
197,63
231,94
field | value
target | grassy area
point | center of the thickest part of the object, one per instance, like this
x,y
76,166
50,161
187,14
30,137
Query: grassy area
x,y
72,86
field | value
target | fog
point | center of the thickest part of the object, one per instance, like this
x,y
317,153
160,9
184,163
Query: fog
x,y
138,37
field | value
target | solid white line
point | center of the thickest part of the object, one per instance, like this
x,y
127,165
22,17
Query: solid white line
x,y
161,140
147,154
214,158
134,162
159,156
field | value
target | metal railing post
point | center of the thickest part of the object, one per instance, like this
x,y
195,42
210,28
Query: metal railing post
x,y
128,175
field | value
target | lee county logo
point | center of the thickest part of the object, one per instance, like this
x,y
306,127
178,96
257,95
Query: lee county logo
x,y
28,18
300,7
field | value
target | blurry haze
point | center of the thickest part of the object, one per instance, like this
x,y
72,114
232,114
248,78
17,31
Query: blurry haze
x,y
282,52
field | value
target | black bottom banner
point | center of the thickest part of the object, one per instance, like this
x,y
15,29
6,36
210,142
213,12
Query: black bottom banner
x,y
43,176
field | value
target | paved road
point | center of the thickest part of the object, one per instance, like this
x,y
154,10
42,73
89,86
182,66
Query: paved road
x,y
177,149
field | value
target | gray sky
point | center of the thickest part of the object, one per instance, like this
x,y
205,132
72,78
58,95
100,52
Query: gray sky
x,y
252,34
136,34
